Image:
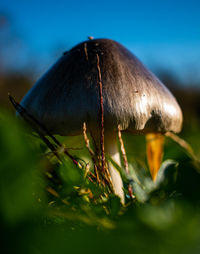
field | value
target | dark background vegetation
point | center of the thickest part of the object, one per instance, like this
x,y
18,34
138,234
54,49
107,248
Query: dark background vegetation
x,y
36,221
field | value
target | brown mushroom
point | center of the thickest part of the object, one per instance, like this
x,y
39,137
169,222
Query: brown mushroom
x,y
133,98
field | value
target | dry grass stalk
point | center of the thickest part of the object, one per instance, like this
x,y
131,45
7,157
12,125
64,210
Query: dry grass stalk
x,y
86,139
104,165
123,151
94,141
125,160
56,195
183,144
102,178
92,154
101,115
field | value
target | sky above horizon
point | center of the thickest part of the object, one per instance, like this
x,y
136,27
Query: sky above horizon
x,y
163,34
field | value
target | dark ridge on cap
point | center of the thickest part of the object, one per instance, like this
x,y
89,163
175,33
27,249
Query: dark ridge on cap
x,y
67,95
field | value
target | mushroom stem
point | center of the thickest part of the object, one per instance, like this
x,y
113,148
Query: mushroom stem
x,y
111,149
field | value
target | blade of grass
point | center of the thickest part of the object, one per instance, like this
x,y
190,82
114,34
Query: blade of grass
x,y
187,147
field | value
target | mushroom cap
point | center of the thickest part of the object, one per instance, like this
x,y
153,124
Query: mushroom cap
x,y
68,94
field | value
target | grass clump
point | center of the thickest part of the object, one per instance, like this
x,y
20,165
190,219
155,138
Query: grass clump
x,y
54,203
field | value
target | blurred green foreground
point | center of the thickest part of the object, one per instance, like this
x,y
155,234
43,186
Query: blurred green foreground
x,y
44,209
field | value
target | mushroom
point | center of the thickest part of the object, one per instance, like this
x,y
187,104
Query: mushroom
x,y
133,98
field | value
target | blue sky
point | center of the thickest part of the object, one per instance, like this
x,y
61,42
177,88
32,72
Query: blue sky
x,y
163,34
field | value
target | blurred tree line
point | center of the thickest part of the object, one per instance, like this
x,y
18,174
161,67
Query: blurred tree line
x,y
14,78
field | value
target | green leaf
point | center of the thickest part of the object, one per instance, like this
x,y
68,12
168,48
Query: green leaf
x,y
142,183
168,169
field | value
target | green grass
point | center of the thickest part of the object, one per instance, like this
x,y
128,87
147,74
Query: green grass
x,y
46,206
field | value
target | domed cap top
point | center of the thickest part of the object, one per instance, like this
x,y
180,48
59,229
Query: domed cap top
x,y
68,94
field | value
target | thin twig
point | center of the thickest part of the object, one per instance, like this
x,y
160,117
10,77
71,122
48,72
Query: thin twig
x,y
36,126
41,130
34,123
